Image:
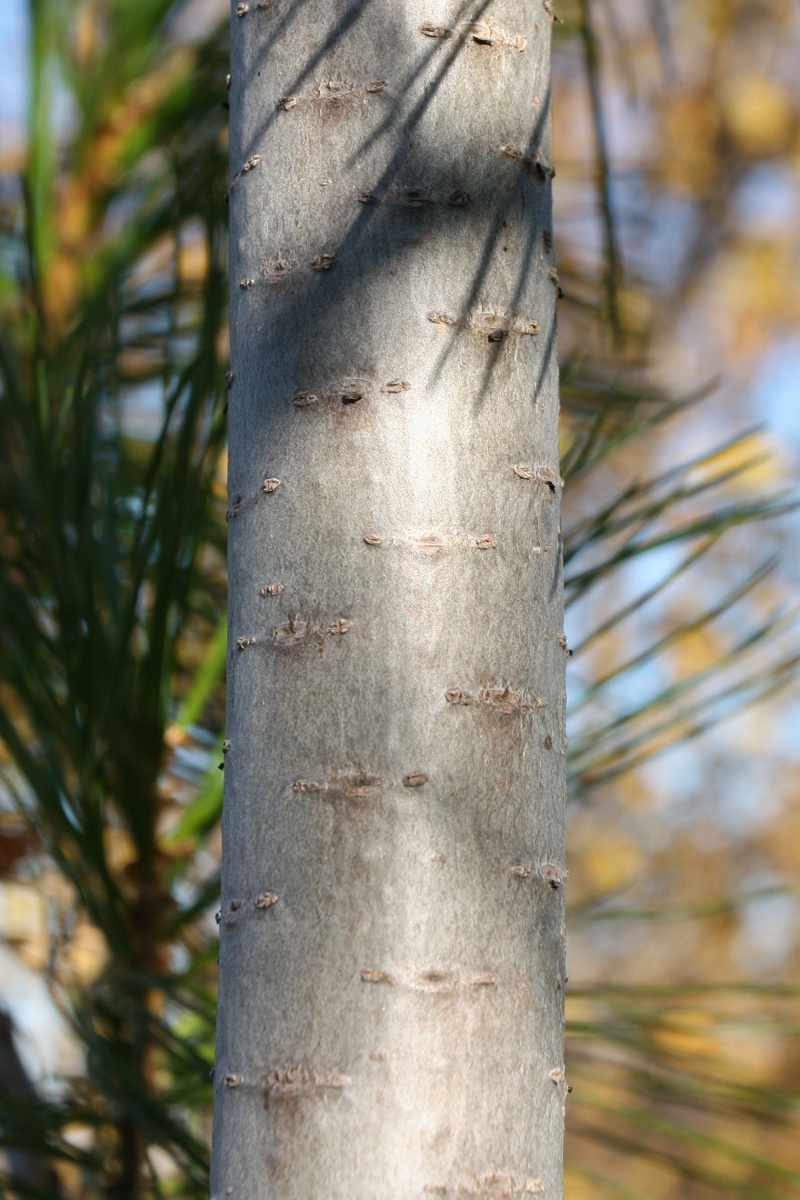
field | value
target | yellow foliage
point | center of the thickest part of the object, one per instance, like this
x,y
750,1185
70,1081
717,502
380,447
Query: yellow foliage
x,y
34,951
193,260
688,144
79,203
175,735
649,1177
694,651
120,850
22,911
86,955
219,484
757,283
609,859
744,1055
755,459
759,114
576,1187
73,213
633,791
223,343
60,290
103,158
85,31
688,1033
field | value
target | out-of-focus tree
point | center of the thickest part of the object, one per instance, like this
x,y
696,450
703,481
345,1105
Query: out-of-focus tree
x,y
677,196
676,142
113,360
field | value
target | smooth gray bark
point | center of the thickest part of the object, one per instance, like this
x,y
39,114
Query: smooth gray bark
x,y
391,963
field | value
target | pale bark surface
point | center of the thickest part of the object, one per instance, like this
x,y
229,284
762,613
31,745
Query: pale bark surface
x,y
391,963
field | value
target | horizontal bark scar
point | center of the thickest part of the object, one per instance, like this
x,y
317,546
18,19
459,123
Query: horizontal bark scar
x,y
496,1186
499,698
415,780
260,6
434,980
299,630
496,326
333,94
539,472
349,391
236,910
296,631
286,1084
284,266
431,981
356,787
542,171
417,197
373,975
433,543
477,33
547,872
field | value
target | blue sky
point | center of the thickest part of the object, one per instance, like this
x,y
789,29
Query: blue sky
x,y
13,98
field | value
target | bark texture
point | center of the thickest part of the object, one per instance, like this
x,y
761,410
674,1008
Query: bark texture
x,y
391,960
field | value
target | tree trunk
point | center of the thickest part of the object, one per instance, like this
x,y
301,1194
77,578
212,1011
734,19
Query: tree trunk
x,y
391,963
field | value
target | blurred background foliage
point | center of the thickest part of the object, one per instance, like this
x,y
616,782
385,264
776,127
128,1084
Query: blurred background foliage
x,y
677,145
